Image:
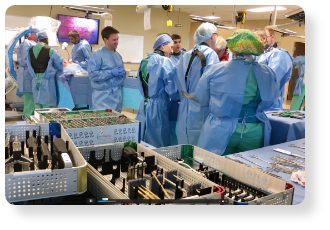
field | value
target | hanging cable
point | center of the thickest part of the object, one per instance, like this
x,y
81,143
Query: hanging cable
x,y
50,10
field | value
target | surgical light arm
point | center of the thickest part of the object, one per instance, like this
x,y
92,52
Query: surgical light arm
x,y
228,28
274,27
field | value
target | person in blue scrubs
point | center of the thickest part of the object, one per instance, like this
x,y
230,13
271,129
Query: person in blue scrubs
x,y
44,64
177,52
81,50
156,76
280,60
237,93
299,90
24,78
80,54
192,114
174,107
106,72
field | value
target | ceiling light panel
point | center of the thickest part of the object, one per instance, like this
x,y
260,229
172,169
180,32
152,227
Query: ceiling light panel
x,y
211,17
266,9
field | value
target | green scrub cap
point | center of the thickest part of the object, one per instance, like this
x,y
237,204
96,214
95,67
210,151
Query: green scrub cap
x,y
245,42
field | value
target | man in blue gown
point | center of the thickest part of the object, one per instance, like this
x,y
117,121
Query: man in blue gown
x,y
106,72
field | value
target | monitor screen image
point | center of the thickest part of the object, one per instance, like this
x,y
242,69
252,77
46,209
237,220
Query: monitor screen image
x,y
9,34
86,27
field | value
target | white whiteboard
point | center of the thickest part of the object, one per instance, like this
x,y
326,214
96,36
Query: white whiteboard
x,y
130,47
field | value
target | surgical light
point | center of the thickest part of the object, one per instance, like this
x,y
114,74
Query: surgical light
x,y
64,45
49,25
266,9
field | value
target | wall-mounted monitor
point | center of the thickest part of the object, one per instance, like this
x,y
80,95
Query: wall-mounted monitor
x,y
9,34
87,28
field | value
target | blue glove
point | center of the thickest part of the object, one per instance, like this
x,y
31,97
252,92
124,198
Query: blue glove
x,y
118,72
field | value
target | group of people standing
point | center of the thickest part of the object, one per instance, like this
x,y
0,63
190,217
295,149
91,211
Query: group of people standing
x,y
218,97
221,95
39,64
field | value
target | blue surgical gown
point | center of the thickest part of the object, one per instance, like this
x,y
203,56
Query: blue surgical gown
x,y
174,107
176,58
280,61
81,53
300,62
222,88
46,95
192,114
106,88
154,114
24,77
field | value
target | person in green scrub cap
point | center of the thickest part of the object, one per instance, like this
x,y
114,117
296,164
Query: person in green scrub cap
x,y
237,92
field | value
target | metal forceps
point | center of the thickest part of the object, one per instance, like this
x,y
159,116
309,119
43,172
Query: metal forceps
x,y
293,145
239,155
254,156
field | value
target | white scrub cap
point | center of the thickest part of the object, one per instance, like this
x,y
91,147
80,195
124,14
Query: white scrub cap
x,y
204,32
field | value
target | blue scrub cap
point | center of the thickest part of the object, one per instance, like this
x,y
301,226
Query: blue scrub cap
x,y
204,32
35,30
162,40
42,35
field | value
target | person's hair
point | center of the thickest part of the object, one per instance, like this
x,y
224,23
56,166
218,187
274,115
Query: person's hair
x,y
44,40
175,36
270,31
220,43
74,33
261,32
107,31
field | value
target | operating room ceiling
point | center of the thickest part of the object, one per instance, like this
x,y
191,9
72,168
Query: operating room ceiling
x,y
225,11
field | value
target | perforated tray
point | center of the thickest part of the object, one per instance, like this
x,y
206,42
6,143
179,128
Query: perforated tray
x,y
31,185
252,176
100,182
90,136
69,115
